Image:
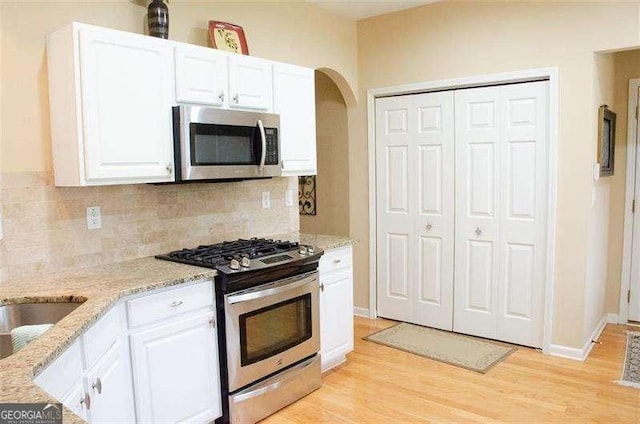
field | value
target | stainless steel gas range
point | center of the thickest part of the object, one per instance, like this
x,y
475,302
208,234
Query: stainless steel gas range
x,y
268,315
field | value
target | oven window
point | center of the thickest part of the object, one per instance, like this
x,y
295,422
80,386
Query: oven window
x,y
223,145
274,329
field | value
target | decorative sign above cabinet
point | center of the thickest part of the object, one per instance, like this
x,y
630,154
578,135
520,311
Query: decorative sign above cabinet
x,y
112,92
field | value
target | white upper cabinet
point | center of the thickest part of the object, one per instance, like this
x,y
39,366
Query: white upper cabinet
x,y
111,94
294,100
201,75
250,83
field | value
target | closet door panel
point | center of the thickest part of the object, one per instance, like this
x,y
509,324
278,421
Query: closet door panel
x,y
477,140
523,221
433,221
395,206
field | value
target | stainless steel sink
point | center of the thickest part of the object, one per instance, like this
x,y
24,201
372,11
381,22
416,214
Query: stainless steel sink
x,y
15,315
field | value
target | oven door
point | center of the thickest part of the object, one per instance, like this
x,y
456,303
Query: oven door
x,y
270,327
221,144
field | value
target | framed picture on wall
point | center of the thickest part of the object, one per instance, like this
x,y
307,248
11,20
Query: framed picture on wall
x,y
229,37
606,140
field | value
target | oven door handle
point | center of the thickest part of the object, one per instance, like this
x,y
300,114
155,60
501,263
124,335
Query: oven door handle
x,y
244,297
290,374
263,139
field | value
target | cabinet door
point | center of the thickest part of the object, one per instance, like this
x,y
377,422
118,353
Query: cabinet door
x,y
294,100
76,399
110,386
201,75
250,83
336,317
176,371
127,94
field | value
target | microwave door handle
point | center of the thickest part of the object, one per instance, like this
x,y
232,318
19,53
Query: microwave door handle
x,y
263,139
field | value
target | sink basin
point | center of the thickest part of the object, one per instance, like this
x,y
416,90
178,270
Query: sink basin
x,y
15,315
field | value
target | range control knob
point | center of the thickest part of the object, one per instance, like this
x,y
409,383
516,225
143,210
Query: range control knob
x,y
234,264
310,250
244,262
302,251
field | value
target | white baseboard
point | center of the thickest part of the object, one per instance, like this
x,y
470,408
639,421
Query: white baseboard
x,y
580,354
361,312
613,318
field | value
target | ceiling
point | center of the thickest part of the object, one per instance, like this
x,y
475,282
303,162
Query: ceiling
x,y
360,9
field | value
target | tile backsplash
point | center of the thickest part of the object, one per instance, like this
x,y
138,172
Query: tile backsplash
x,y
45,227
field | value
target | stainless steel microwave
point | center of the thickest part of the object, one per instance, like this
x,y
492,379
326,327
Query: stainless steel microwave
x,y
219,144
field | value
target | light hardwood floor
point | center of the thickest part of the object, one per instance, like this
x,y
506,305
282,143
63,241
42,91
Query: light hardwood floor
x,y
383,385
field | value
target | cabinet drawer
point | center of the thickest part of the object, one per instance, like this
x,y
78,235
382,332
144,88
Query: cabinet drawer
x,y
103,334
334,259
169,303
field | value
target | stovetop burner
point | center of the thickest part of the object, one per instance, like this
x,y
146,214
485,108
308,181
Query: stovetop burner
x,y
241,255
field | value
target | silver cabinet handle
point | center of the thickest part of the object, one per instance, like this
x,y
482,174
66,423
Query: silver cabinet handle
x,y
478,231
221,96
337,261
86,401
212,322
321,286
236,99
97,385
176,303
429,226
169,168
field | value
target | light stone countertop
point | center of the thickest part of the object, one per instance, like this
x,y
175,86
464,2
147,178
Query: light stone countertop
x,y
99,288
322,241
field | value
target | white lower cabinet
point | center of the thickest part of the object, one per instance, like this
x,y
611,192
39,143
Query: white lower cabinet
x,y
163,369
110,388
176,371
336,306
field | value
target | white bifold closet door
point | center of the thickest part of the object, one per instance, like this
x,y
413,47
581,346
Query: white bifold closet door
x,y
415,216
461,180
501,201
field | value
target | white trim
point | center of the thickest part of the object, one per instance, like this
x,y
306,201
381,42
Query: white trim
x,y
632,126
371,129
580,354
475,81
612,318
360,312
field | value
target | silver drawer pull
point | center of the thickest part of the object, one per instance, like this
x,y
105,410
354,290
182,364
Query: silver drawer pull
x,y
97,385
321,286
337,261
176,303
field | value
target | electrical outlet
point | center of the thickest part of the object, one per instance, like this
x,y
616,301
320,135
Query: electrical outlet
x,y
266,200
94,218
288,198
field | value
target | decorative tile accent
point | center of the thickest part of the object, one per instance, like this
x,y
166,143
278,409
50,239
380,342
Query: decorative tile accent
x,y
307,195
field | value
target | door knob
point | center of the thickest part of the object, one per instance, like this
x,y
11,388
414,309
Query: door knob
x,y
429,226
86,401
236,99
478,231
221,96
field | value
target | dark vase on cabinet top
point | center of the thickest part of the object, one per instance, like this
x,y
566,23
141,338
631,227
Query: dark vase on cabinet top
x,y
158,17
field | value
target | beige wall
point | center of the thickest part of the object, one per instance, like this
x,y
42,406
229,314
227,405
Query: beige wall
x,y
598,220
332,182
44,225
627,66
449,40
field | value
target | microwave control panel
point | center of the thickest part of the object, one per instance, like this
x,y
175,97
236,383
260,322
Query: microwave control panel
x,y
271,157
